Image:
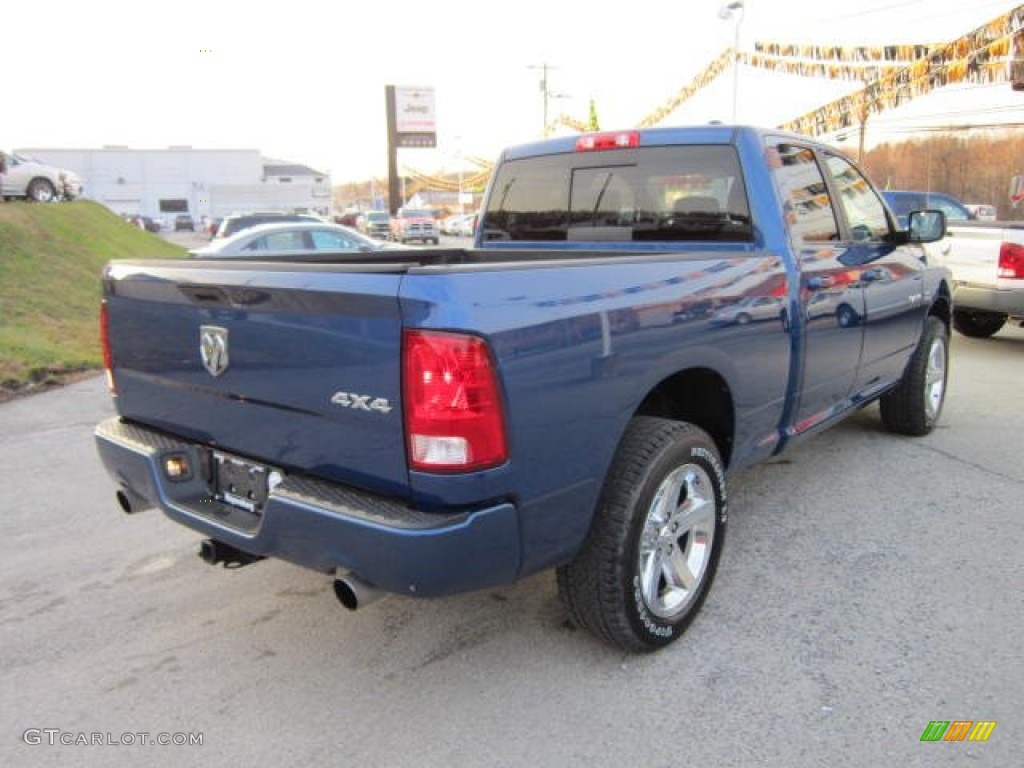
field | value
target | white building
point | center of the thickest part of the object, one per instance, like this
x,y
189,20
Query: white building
x,y
162,183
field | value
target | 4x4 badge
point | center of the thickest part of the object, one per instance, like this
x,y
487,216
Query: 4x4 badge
x,y
213,348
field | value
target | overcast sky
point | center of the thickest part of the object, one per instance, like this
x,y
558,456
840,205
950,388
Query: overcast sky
x,y
305,81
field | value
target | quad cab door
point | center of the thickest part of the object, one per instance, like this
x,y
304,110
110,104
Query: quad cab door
x,y
890,277
860,295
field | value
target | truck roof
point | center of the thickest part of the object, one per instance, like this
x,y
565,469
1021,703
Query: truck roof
x,y
713,133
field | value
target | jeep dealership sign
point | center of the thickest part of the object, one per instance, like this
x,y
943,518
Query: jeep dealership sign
x,y
415,116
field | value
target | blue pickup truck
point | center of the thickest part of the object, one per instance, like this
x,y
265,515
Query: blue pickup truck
x,y
642,313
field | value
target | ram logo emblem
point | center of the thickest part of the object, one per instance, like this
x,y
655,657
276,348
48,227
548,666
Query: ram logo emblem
x,y
213,348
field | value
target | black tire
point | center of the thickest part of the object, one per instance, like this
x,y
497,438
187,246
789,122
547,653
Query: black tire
x,y
661,516
846,316
742,318
41,191
914,405
977,324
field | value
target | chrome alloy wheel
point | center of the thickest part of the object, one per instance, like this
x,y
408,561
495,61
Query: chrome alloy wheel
x,y
935,379
677,540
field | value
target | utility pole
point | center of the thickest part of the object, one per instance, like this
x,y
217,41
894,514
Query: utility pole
x,y
545,91
458,162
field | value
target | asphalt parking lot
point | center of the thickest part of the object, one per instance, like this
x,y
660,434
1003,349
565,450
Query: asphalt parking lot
x,y
870,585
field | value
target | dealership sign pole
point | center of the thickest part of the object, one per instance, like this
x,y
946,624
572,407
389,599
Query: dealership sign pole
x,y
412,123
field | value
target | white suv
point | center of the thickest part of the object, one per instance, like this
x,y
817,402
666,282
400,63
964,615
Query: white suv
x,y
28,178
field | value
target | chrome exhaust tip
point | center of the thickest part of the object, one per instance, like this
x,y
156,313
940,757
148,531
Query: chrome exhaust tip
x,y
353,593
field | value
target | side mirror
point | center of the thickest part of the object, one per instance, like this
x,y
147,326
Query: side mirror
x,y
926,226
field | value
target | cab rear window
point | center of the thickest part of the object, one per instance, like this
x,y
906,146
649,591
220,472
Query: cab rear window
x,y
644,194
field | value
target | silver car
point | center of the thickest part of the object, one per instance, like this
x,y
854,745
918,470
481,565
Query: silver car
x,y
291,238
27,177
749,309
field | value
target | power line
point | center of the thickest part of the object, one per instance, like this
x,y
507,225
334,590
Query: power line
x,y
973,8
869,11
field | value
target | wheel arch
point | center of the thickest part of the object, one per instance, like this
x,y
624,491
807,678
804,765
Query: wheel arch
x,y
700,396
942,304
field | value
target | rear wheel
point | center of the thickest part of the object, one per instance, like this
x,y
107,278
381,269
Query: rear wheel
x,y
977,324
654,545
913,407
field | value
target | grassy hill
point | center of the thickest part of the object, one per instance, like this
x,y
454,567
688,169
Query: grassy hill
x,y
51,260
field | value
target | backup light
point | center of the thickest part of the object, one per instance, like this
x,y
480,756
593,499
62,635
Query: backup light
x,y
176,467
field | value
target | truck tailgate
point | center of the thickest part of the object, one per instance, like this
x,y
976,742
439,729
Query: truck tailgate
x,y
300,368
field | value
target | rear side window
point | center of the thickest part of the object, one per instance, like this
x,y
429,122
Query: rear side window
x,y
327,240
233,224
645,194
807,204
279,241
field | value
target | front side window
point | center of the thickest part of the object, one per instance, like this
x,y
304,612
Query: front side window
x,y
953,210
865,212
670,193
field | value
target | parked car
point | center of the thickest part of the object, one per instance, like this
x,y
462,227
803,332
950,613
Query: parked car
x,y
374,224
982,211
750,309
456,420
27,177
347,218
184,222
986,259
414,224
904,201
236,222
290,237
449,224
465,226
145,222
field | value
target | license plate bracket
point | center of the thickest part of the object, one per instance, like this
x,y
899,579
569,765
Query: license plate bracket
x,y
242,483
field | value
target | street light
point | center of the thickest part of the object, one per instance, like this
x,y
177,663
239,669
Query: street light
x,y
734,10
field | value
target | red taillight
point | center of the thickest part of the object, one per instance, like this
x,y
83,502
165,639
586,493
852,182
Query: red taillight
x,y
108,360
592,142
1011,261
453,413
